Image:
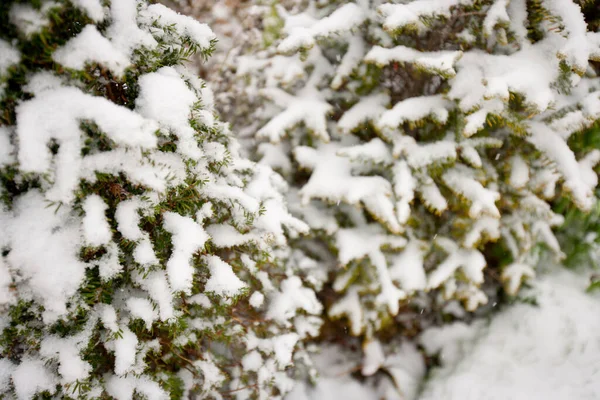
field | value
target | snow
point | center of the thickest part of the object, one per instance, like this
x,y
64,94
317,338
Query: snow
x,y
128,219
519,172
184,25
31,377
55,114
157,286
71,367
400,15
483,200
125,348
28,20
96,229
143,309
252,361
440,62
123,388
89,47
332,180
124,32
9,56
93,8
44,252
557,150
303,108
470,261
165,97
223,281
368,108
497,14
408,266
546,351
187,238
257,299
350,61
344,18
414,109
290,299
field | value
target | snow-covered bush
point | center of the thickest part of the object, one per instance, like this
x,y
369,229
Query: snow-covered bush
x,y
142,256
425,141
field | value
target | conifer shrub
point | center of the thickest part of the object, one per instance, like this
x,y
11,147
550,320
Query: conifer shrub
x,y
142,256
427,144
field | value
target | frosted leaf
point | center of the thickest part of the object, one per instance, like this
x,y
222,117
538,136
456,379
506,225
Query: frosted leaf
x,y
343,19
293,297
400,15
224,236
351,60
514,274
557,150
89,46
184,26
144,253
124,32
477,120
96,229
471,296
307,109
471,262
414,109
574,50
55,115
470,155
495,15
213,377
165,97
123,388
530,71
283,347
483,227
187,238
438,62
356,243
519,172
375,151
93,8
373,357
366,241
368,108
332,180
517,13
431,197
128,219
226,193
158,289
407,267
30,20
143,309
483,200
223,281
422,155
350,306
